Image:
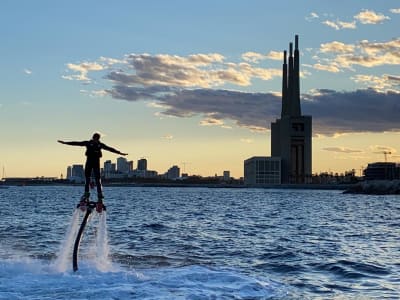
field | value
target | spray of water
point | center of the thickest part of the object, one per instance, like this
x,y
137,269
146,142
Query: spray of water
x,y
95,238
63,261
103,262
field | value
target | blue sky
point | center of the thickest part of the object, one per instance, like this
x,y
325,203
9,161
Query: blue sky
x,y
194,82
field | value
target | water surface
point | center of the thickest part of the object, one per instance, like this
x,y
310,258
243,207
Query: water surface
x,y
200,243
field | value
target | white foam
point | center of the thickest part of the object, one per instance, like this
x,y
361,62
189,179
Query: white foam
x,y
103,263
63,261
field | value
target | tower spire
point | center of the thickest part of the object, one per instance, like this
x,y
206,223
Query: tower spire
x,y
296,80
291,81
285,105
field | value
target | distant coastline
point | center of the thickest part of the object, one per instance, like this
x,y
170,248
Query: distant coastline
x,y
180,184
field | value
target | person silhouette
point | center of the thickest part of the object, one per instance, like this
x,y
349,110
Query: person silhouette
x,y
93,155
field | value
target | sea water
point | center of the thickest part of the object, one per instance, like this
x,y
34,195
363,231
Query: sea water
x,y
200,243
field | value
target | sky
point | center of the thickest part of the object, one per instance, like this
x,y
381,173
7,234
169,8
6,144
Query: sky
x,y
195,83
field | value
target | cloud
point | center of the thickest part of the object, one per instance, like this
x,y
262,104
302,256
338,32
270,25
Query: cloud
x,y
312,16
331,24
342,150
201,70
337,25
330,68
247,141
381,83
382,149
337,47
365,54
255,57
370,17
356,111
364,17
82,69
27,71
211,122
168,137
333,112
252,56
275,55
395,10
191,86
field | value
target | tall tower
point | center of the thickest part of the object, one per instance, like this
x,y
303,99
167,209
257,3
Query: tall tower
x,y
291,134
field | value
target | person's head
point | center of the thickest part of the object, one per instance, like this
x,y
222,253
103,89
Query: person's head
x,y
96,136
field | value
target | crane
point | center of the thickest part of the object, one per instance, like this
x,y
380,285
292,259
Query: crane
x,y
386,153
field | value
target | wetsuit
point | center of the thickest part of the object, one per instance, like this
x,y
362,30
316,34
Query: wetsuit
x,y
93,154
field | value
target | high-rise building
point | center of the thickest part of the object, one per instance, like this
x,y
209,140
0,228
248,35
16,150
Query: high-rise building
x,y
69,172
109,169
291,134
77,174
122,165
142,164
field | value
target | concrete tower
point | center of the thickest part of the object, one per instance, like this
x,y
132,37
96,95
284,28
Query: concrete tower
x,y
291,134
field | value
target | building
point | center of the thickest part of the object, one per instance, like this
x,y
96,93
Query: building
x,y
291,141
142,164
291,134
382,171
262,170
77,174
173,173
123,165
227,176
69,172
109,169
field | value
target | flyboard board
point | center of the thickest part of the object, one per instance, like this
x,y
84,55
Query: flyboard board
x,y
89,207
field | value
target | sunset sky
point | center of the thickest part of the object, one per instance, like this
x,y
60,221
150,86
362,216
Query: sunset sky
x,y
195,83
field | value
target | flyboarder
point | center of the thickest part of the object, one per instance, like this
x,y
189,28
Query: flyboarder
x,y
93,154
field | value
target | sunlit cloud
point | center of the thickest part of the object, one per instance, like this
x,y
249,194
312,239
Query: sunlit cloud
x,y
247,141
168,137
331,24
330,68
365,53
82,69
342,150
337,47
188,86
395,10
338,25
211,122
275,55
381,83
382,149
370,17
252,56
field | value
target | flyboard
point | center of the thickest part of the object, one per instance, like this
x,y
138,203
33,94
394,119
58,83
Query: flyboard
x,y
89,207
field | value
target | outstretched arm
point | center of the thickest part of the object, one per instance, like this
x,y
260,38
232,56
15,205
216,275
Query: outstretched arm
x,y
111,149
73,143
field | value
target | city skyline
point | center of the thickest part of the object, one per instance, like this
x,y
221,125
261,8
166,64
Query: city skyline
x,y
195,85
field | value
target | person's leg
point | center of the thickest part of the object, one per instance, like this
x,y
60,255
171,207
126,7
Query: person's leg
x,y
96,171
88,172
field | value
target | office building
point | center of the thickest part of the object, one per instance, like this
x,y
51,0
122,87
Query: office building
x,y
382,171
123,165
77,174
262,170
142,164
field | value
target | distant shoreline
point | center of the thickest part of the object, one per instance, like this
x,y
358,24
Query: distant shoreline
x,y
191,185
